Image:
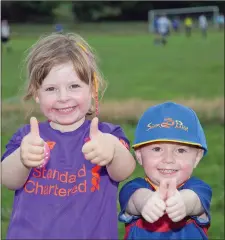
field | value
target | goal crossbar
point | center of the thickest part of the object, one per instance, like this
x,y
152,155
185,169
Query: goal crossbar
x,y
152,13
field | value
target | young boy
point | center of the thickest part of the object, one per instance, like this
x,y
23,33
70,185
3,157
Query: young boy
x,y
168,203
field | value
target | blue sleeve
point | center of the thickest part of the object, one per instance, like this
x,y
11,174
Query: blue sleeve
x,y
15,141
125,193
204,192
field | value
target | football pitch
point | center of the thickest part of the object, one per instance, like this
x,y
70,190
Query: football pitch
x,y
187,69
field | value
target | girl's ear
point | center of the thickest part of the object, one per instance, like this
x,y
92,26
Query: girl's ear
x,y
198,157
138,156
36,98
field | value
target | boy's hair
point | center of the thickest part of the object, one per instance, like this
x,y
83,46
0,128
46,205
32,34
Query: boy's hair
x,y
56,49
170,122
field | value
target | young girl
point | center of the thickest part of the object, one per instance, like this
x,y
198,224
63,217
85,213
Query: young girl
x,y
65,171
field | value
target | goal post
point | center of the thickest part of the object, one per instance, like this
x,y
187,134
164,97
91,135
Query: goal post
x,y
179,11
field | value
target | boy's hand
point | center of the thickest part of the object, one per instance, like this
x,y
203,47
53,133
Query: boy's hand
x,y
32,146
154,208
175,206
100,149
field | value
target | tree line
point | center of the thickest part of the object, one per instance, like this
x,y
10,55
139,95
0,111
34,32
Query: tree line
x,y
86,11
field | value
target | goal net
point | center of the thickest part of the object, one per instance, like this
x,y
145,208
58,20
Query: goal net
x,y
212,11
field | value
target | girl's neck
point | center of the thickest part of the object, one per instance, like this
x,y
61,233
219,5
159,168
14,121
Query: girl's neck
x,y
67,128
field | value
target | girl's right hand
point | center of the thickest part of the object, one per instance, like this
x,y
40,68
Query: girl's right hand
x,y
32,146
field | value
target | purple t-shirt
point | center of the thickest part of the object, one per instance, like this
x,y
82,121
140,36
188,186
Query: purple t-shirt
x,y
69,198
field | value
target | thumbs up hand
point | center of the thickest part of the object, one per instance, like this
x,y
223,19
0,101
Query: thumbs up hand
x,y
154,207
175,206
32,147
100,149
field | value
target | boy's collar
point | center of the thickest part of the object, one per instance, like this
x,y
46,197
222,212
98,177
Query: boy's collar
x,y
155,187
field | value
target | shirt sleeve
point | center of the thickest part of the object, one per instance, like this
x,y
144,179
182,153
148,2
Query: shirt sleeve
x,y
125,194
117,131
204,192
15,141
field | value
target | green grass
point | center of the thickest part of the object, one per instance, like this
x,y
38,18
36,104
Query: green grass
x,y
135,68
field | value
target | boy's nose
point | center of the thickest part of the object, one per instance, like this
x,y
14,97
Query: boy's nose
x,y
168,157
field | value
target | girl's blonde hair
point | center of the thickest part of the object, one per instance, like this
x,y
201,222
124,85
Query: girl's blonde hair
x,y
56,49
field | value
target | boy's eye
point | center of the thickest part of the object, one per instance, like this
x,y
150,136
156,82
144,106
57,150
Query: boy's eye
x,y
181,150
50,89
156,149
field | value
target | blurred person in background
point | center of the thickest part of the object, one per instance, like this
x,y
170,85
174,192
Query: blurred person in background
x,y
163,28
220,21
203,25
176,24
59,28
5,34
188,23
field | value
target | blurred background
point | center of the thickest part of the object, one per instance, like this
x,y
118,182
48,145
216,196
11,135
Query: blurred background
x,y
141,68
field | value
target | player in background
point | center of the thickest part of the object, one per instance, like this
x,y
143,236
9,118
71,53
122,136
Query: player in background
x,y
203,25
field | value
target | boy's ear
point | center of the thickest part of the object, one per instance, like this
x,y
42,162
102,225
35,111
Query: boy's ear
x,y
198,157
138,156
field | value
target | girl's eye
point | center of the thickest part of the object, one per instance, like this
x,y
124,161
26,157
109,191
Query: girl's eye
x,y
73,86
156,149
50,89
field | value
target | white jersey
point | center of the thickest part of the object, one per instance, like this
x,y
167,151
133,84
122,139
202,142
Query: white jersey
x,y
203,21
163,25
5,32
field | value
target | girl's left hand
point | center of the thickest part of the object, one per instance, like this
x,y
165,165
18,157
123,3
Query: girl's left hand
x,y
101,147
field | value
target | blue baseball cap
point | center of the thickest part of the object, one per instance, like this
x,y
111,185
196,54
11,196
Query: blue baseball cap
x,y
170,122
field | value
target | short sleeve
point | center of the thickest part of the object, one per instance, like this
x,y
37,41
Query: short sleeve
x,y
15,141
204,192
125,194
117,131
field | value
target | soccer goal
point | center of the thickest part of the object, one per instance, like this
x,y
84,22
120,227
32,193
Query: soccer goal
x,y
179,11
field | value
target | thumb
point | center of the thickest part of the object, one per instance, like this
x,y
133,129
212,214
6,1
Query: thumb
x,y
94,127
34,128
163,189
172,187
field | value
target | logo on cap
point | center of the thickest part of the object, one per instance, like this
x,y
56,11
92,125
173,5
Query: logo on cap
x,y
168,123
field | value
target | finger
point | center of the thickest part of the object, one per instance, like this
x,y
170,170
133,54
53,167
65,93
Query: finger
x,y
96,160
178,218
172,201
34,128
171,209
161,205
163,189
158,212
36,150
153,216
34,163
36,141
35,157
88,147
147,218
94,127
172,187
103,163
176,215
91,155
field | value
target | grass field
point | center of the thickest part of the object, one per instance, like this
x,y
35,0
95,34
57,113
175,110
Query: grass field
x,y
136,69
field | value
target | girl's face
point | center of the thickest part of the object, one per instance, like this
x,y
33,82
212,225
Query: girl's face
x,y
165,160
63,97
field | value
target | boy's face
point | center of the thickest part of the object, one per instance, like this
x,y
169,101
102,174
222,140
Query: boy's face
x,y
168,160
